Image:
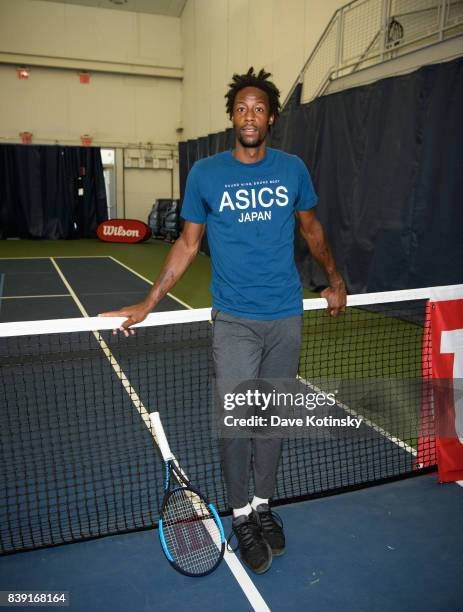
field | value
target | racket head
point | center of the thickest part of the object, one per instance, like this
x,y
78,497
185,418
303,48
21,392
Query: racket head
x,y
191,532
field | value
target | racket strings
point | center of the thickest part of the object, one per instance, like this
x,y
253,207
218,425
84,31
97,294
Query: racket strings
x,y
191,533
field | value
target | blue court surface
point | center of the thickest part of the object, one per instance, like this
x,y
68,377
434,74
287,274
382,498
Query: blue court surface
x,y
394,546
48,287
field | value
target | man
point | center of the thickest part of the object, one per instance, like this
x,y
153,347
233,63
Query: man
x,y
248,197
79,204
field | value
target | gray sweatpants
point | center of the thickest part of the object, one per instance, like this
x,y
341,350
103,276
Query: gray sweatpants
x,y
246,349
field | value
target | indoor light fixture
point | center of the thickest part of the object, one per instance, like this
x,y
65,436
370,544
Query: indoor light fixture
x,y
26,137
23,73
86,140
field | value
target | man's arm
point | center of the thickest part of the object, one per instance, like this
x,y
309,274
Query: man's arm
x,y
177,261
313,234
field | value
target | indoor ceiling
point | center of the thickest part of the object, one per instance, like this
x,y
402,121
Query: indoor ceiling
x,y
171,8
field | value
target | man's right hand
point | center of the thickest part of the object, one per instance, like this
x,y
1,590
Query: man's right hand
x,y
135,314
179,258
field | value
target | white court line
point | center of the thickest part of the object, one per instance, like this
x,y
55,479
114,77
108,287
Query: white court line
x,y
370,424
22,258
150,282
55,256
173,297
246,584
23,297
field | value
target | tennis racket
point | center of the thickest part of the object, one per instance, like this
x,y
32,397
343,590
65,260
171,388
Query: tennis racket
x,y
190,529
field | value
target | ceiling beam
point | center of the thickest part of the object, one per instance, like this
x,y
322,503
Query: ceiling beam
x,y
86,65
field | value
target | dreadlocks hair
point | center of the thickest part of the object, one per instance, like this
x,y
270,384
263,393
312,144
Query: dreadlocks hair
x,y
251,79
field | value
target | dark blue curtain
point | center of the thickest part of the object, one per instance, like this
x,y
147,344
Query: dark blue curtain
x,y
39,192
387,163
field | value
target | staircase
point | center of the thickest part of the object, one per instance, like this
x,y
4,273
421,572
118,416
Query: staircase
x,y
371,39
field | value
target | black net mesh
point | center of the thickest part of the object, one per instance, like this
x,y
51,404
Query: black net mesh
x,y
77,453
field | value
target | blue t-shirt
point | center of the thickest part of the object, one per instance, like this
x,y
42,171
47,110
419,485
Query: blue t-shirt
x,y
249,210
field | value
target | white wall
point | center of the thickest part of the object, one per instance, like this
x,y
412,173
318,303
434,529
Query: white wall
x,y
212,40
221,37
117,108
81,32
143,183
142,187
113,108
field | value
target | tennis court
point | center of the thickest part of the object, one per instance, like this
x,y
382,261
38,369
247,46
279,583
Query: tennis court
x,y
227,153
80,461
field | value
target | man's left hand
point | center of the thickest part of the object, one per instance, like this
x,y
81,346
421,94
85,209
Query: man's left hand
x,y
336,298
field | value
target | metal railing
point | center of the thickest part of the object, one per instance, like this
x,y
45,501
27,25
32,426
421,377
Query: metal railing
x,y
365,33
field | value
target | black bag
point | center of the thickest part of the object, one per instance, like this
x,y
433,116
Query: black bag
x,y
153,218
164,219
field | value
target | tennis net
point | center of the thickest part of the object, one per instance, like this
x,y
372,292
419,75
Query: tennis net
x,y
77,454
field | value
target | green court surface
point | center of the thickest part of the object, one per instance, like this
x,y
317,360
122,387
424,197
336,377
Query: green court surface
x,y
373,360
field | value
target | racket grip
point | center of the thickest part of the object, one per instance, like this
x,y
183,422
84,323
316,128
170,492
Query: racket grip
x,y
160,436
